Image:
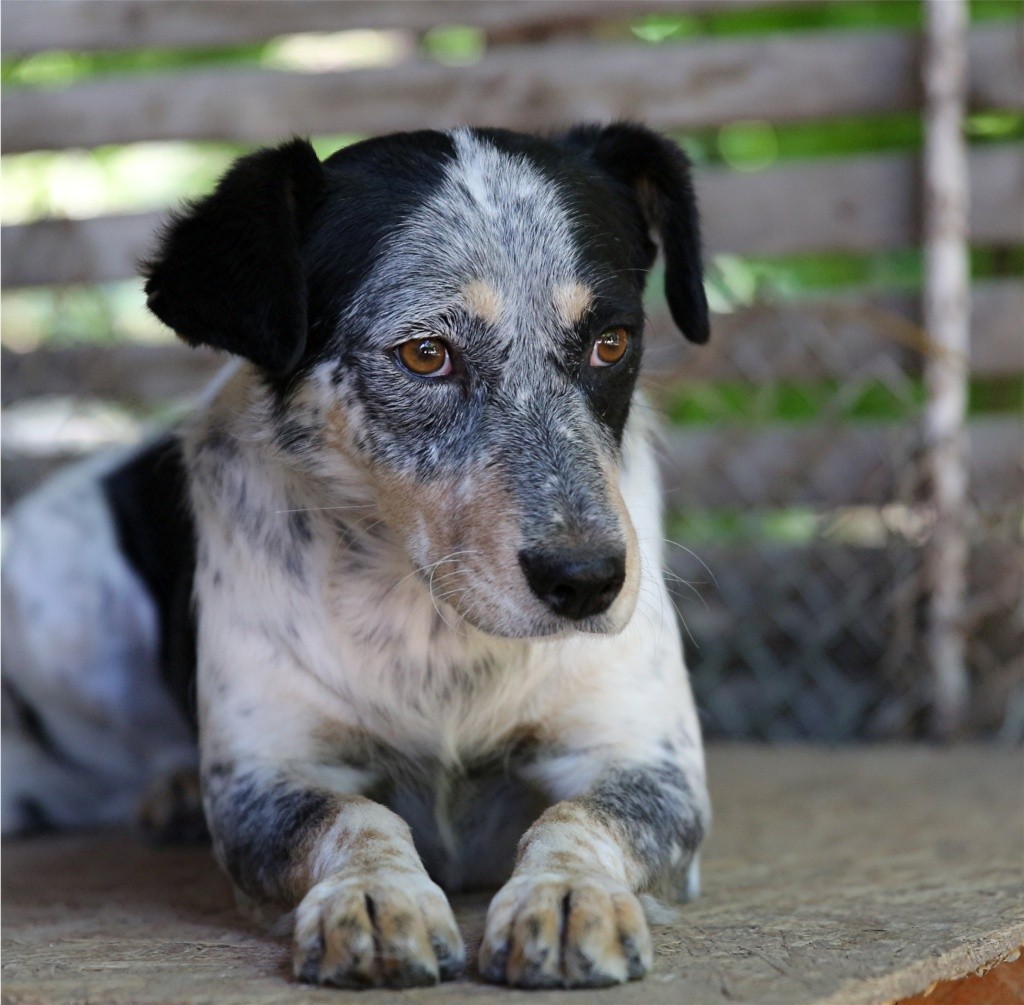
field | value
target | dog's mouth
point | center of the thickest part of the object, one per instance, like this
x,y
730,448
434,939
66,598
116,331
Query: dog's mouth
x,y
514,576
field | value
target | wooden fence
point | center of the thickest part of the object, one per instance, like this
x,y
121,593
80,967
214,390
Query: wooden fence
x,y
548,63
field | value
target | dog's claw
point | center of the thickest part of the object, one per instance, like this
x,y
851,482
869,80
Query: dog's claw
x,y
355,931
548,930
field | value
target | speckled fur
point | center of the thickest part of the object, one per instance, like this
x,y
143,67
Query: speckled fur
x,y
383,703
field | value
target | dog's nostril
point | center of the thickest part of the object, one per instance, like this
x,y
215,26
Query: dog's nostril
x,y
574,583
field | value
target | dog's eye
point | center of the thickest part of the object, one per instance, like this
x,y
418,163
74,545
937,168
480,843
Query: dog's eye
x,y
425,357
610,347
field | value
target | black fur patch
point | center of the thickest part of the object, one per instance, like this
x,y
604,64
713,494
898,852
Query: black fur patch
x,y
148,498
657,173
260,824
228,272
653,807
29,718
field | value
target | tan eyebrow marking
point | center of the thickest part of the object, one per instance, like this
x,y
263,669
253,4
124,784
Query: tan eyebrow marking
x,y
572,301
481,298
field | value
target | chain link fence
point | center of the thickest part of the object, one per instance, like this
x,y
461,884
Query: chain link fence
x,y
798,530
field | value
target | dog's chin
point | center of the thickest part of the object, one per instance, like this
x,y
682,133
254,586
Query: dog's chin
x,y
539,624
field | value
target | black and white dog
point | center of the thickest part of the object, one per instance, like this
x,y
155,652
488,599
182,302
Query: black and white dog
x,y
419,520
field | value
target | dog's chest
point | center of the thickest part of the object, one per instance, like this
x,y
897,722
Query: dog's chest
x,y
415,678
445,714
465,823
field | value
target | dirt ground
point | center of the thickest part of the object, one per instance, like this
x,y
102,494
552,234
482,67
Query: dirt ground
x,y
831,876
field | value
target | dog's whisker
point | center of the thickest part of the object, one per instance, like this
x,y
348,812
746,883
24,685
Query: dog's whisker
x,y
424,570
325,509
682,621
689,551
672,577
437,608
644,613
647,593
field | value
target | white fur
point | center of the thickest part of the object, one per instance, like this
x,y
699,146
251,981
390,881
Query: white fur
x,y
292,656
80,644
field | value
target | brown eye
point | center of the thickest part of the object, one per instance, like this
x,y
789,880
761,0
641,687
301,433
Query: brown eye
x,y
425,357
610,347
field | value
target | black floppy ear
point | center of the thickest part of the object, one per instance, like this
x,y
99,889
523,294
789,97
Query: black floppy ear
x,y
228,271
658,174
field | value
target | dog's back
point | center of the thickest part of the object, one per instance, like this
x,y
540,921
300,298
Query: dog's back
x,y
98,646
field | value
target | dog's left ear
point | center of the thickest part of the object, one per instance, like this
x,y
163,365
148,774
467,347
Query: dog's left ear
x,y
228,272
658,174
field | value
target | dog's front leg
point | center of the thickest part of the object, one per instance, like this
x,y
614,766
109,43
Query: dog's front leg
x,y
569,916
367,913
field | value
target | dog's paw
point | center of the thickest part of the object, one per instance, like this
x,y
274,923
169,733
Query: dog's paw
x,y
551,930
358,930
171,809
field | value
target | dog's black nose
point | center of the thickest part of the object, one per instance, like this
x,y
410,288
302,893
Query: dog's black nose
x,y
574,582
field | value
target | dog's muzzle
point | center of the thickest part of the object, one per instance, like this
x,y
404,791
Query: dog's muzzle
x,y
575,583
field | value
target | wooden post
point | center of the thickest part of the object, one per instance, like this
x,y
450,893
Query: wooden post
x,y
946,312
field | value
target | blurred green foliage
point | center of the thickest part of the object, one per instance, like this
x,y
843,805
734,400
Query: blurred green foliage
x,y
793,525
755,145
728,19
61,69
454,45
699,403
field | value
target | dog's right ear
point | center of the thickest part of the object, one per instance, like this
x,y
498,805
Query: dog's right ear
x,y
228,271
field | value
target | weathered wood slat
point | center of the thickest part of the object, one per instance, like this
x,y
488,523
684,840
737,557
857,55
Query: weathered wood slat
x,y
759,467
671,87
851,204
825,465
76,251
21,473
135,24
861,204
997,328
146,375
856,337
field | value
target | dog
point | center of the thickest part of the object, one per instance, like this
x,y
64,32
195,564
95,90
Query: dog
x,y
407,553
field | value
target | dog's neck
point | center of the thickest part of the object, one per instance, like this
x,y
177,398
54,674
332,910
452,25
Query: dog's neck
x,y
376,629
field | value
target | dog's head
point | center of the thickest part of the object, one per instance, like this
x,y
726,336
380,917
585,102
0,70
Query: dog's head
x,y
459,315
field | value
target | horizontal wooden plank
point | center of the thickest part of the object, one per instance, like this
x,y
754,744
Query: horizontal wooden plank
x,y
111,25
21,473
856,204
829,464
76,251
861,204
997,328
133,374
855,337
779,78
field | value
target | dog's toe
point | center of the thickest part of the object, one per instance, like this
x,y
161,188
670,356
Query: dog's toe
x,y
370,931
560,931
171,809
